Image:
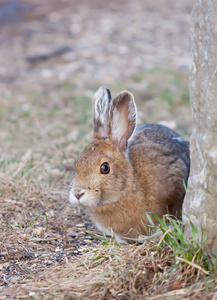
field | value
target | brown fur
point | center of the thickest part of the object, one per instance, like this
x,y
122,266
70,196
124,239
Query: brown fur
x,y
148,177
154,191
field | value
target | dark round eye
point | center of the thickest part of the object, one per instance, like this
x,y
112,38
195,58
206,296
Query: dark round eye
x,y
104,168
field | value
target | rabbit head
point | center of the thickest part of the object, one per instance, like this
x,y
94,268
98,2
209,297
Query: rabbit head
x,y
103,169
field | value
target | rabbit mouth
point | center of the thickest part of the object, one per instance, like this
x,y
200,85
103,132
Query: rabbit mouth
x,y
82,198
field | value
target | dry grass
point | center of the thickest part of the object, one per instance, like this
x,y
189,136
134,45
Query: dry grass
x,y
114,272
47,249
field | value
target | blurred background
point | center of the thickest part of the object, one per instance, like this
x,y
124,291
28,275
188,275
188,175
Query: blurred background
x,y
98,40
53,56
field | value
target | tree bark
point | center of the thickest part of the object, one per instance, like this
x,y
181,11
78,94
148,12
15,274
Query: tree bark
x,y
200,204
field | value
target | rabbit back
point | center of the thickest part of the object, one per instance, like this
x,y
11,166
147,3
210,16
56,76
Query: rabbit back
x,y
160,158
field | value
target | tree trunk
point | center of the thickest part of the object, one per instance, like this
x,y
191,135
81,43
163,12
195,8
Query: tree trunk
x,y
200,203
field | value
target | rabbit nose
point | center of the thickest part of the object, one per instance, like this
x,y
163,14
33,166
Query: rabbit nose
x,y
78,196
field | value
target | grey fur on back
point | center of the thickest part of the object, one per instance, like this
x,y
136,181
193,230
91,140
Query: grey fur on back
x,y
169,139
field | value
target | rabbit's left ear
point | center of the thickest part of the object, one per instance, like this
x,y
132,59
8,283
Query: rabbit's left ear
x,y
101,109
123,115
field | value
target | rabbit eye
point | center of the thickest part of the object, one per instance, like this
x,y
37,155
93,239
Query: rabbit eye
x,y
105,168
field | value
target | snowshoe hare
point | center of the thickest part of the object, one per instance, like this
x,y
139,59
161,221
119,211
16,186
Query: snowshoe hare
x,y
129,170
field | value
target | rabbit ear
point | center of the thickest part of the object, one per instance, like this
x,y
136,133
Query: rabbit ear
x,y
101,109
122,119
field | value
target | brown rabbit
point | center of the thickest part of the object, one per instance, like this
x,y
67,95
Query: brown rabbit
x,y
127,170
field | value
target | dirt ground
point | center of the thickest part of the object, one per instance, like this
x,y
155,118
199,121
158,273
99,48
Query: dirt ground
x,y
53,57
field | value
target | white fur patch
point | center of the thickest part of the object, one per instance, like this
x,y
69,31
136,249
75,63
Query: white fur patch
x,y
73,200
118,237
101,228
177,138
87,200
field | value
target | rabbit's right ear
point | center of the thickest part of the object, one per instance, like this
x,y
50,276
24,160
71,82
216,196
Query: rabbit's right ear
x,y
101,110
